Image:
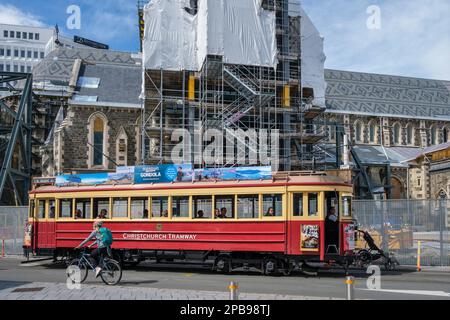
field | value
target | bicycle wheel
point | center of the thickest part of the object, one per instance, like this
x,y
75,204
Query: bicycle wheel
x,y
73,275
111,272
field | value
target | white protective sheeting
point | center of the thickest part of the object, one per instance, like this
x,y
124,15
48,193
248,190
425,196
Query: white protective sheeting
x,y
170,36
313,59
239,30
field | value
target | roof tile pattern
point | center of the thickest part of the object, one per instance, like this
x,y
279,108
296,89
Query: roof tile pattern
x,y
384,94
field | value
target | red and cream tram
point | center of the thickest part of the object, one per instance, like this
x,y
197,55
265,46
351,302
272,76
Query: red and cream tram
x,y
270,225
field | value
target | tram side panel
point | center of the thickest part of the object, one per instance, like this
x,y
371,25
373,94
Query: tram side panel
x,y
306,238
189,236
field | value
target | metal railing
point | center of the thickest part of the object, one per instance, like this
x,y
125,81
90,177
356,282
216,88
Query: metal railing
x,y
12,225
398,225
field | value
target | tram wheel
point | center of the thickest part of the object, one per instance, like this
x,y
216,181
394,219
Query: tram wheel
x,y
223,264
271,267
364,257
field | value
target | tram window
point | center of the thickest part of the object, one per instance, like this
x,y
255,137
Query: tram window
x,y
248,207
224,207
31,213
52,209
331,202
298,204
272,205
202,207
65,208
82,208
347,206
180,207
139,208
41,209
120,208
313,207
101,208
160,207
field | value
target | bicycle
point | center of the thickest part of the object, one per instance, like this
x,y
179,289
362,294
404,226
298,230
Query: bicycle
x,y
111,273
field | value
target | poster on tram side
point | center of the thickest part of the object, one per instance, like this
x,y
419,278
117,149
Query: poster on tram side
x,y
309,237
349,237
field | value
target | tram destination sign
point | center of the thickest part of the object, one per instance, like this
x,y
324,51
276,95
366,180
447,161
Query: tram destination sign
x,y
158,236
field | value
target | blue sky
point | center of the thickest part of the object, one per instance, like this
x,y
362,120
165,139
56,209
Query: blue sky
x,y
414,38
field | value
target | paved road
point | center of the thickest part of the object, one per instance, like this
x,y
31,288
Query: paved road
x,y
158,281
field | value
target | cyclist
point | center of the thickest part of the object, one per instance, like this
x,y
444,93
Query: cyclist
x,y
103,244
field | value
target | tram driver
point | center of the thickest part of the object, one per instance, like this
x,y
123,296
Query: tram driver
x,y
332,228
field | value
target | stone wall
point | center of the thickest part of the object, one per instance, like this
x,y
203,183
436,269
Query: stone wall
x,y
385,125
75,135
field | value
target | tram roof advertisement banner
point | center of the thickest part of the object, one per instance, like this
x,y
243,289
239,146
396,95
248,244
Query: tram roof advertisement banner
x,y
163,173
82,178
235,173
122,175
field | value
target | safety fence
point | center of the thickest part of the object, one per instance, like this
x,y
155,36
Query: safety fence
x,y
12,226
399,226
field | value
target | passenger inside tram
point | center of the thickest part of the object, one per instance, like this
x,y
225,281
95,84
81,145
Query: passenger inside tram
x,y
270,212
223,213
103,214
78,214
145,215
200,214
52,213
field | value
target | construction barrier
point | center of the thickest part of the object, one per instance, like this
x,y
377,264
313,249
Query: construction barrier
x,y
12,224
397,226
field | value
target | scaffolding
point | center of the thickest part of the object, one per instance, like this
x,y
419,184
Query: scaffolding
x,y
15,137
234,98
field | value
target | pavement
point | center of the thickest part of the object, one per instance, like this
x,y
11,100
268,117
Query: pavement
x,y
59,291
41,280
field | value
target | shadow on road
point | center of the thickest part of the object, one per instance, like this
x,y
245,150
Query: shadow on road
x,y
333,272
11,284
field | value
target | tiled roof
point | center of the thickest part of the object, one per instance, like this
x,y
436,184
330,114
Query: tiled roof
x,y
118,84
119,73
388,95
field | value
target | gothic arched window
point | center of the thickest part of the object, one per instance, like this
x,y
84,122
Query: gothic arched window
x,y
358,131
433,135
445,135
373,132
396,134
409,134
98,144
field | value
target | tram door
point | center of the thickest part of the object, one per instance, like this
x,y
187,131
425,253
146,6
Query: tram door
x,y
331,210
46,231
